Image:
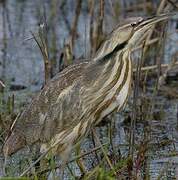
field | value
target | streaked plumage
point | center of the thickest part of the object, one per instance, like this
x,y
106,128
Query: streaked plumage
x,y
81,95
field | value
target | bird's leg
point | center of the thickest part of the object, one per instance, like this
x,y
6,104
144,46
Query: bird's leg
x,y
4,165
63,165
51,162
79,160
48,162
65,157
104,152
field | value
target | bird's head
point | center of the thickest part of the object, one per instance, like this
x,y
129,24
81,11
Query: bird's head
x,y
129,34
140,29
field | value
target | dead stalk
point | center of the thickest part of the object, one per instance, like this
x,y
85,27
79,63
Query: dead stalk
x,y
134,106
53,46
91,14
159,10
97,30
153,67
43,46
75,23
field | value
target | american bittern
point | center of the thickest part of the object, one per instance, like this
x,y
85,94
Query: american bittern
x,y
81,95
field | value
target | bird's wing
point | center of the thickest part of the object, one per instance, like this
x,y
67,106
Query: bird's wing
x,y
33,120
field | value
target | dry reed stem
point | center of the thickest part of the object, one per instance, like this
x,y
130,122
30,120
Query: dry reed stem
x,y
97,30
42,44
112,8
53,32
139,7
159,10
64,15
160,53
91,14
173,4
169,67
134,105
153,67
4,40
148,43
75,23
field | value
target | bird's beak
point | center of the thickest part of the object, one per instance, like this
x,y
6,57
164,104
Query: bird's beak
x,y
146,24
140,31
14,142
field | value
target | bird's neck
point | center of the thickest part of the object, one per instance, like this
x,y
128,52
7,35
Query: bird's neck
x,y
112,69
106,73
114,77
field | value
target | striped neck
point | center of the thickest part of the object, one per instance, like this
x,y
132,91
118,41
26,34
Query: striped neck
x,y
115,75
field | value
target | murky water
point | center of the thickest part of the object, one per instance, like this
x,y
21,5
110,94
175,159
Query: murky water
x,y
24,66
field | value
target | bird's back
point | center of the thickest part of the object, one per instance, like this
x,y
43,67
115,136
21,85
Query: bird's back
x,y
42,118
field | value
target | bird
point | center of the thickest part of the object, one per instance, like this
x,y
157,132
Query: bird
x,y
81,95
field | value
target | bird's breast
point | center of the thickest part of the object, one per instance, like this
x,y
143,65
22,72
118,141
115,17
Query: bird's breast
x,y
117,95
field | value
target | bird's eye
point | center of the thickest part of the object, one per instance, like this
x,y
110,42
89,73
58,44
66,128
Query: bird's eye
x,y
133,24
